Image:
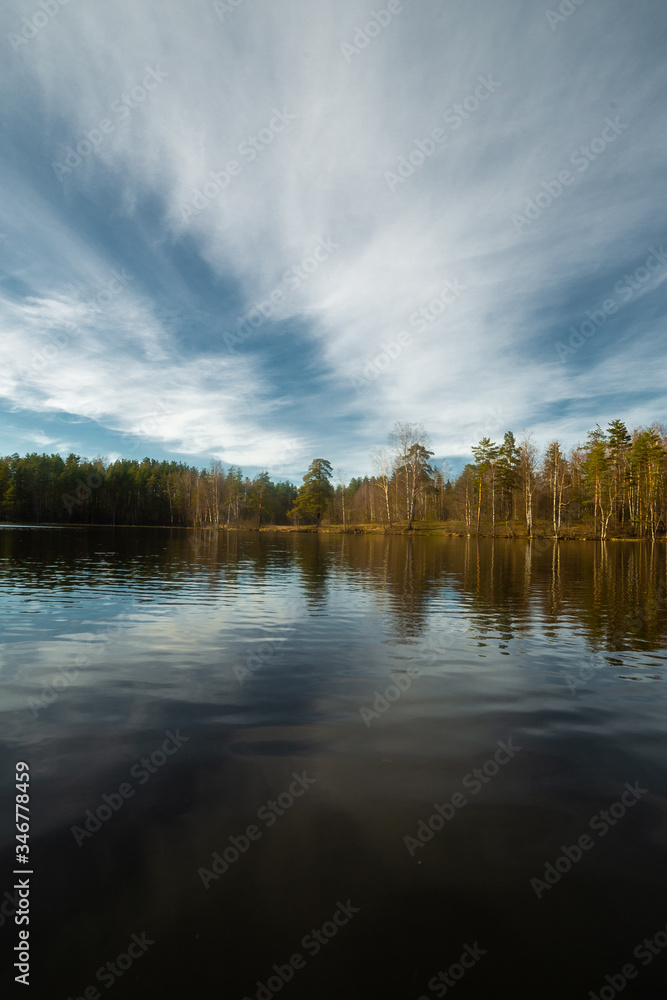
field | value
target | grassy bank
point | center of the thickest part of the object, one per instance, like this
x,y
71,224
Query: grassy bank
x,y
512,529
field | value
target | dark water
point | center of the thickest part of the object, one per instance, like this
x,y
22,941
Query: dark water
x,y
237,667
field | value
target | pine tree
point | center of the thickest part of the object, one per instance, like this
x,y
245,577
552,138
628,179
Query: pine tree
x,y
508,468
486,456
316,492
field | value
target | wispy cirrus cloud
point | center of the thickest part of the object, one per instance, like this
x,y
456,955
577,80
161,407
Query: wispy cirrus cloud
x,y
300,139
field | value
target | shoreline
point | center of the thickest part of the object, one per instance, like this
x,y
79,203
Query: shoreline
x,y
421,529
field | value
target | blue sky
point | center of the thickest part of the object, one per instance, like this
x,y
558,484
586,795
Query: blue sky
x,y
265,232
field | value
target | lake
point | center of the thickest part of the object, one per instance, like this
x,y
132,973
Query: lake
x,y
336,766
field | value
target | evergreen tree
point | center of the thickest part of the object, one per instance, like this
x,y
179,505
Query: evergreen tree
x,y
261,496
508,469
316,491
486,455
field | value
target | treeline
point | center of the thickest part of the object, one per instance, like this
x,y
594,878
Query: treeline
x,y
48,489
616,483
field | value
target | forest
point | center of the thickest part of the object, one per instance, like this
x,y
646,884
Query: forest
x,y
613,485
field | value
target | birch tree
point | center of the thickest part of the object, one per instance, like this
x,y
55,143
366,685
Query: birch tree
x,y
384,470
527,461
411,449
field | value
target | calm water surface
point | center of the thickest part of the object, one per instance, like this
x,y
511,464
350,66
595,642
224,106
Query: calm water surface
x,y
237,743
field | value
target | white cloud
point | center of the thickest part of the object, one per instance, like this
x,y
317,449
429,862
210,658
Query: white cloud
x,y
323,173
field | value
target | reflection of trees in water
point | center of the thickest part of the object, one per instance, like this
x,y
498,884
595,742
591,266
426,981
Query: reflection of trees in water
x,y
630,609
407,571
614,592
69,558
491,583
314,555
402,569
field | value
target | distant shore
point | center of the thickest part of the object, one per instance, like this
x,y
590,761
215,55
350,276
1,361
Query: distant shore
x,y
451,529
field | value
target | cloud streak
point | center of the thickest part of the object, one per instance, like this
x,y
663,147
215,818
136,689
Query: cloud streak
x,y
313,135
